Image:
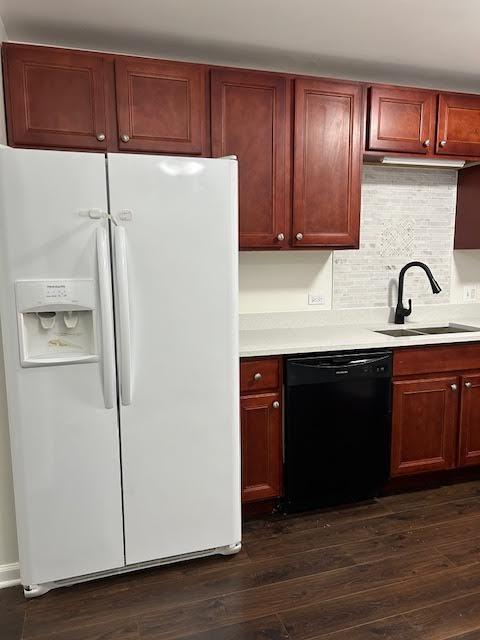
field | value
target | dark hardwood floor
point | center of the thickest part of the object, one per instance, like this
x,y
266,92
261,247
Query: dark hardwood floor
x,y
404,567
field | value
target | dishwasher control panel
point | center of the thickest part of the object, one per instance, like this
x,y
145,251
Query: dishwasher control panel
x,y
325,368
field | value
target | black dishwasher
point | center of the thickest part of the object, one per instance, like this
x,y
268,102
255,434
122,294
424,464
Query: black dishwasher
x,y
337,428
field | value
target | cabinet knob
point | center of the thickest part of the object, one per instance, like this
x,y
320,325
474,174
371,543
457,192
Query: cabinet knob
x,y
124,138
281,237
453,387
426,142
468,385
257,376
443,143
276,404
299,236
101,137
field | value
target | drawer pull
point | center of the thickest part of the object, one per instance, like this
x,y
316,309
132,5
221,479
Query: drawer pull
x,y
257,377
276,404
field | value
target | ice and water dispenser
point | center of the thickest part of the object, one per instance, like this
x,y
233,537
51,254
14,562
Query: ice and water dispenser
x,y
56,321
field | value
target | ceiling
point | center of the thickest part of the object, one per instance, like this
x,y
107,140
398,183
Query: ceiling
x,y
423,42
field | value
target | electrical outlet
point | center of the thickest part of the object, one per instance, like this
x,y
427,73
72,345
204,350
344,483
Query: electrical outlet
x,y
470,293
316,298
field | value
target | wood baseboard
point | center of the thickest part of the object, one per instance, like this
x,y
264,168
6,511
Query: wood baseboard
x,y
258,509
431,480
9,575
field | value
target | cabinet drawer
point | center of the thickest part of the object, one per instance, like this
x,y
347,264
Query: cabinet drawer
x,y
258,375
439,359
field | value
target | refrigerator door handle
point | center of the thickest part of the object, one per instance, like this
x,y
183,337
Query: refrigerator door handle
x,y
123,299
106,314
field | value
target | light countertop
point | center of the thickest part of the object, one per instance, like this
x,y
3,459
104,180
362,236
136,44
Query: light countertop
x,y
279,341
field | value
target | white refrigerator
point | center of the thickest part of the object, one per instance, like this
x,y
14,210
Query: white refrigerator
x,y
120,331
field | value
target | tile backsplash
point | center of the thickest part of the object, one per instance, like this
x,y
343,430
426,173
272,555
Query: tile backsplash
x,y
406,215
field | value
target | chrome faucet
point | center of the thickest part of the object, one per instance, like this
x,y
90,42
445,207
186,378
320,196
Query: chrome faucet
x,y
401,312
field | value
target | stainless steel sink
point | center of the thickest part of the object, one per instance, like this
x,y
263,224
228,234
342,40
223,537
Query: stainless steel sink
x,y
449,328
398,333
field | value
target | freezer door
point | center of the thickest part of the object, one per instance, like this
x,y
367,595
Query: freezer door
x,y
64,439
176,262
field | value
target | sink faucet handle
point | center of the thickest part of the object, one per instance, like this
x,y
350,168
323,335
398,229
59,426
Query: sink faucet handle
x,y
407,313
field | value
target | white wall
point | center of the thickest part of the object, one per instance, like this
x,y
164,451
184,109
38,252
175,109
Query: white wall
x,y
282,280
407,214
465,273
272,281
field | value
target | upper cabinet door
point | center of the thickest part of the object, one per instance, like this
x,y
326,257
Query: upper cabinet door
x,y
161,106
249,120
54,98
401,120
327,163
458,131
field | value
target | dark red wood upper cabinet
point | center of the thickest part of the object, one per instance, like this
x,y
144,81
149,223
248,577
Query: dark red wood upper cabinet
x,y
424,425
401,119
161,106
458,128
327,163
469,444
467,219
54,98
249,120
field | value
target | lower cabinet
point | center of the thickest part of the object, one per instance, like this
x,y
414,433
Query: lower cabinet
x,y
261,426
424,426
436,416
469,441
261,419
